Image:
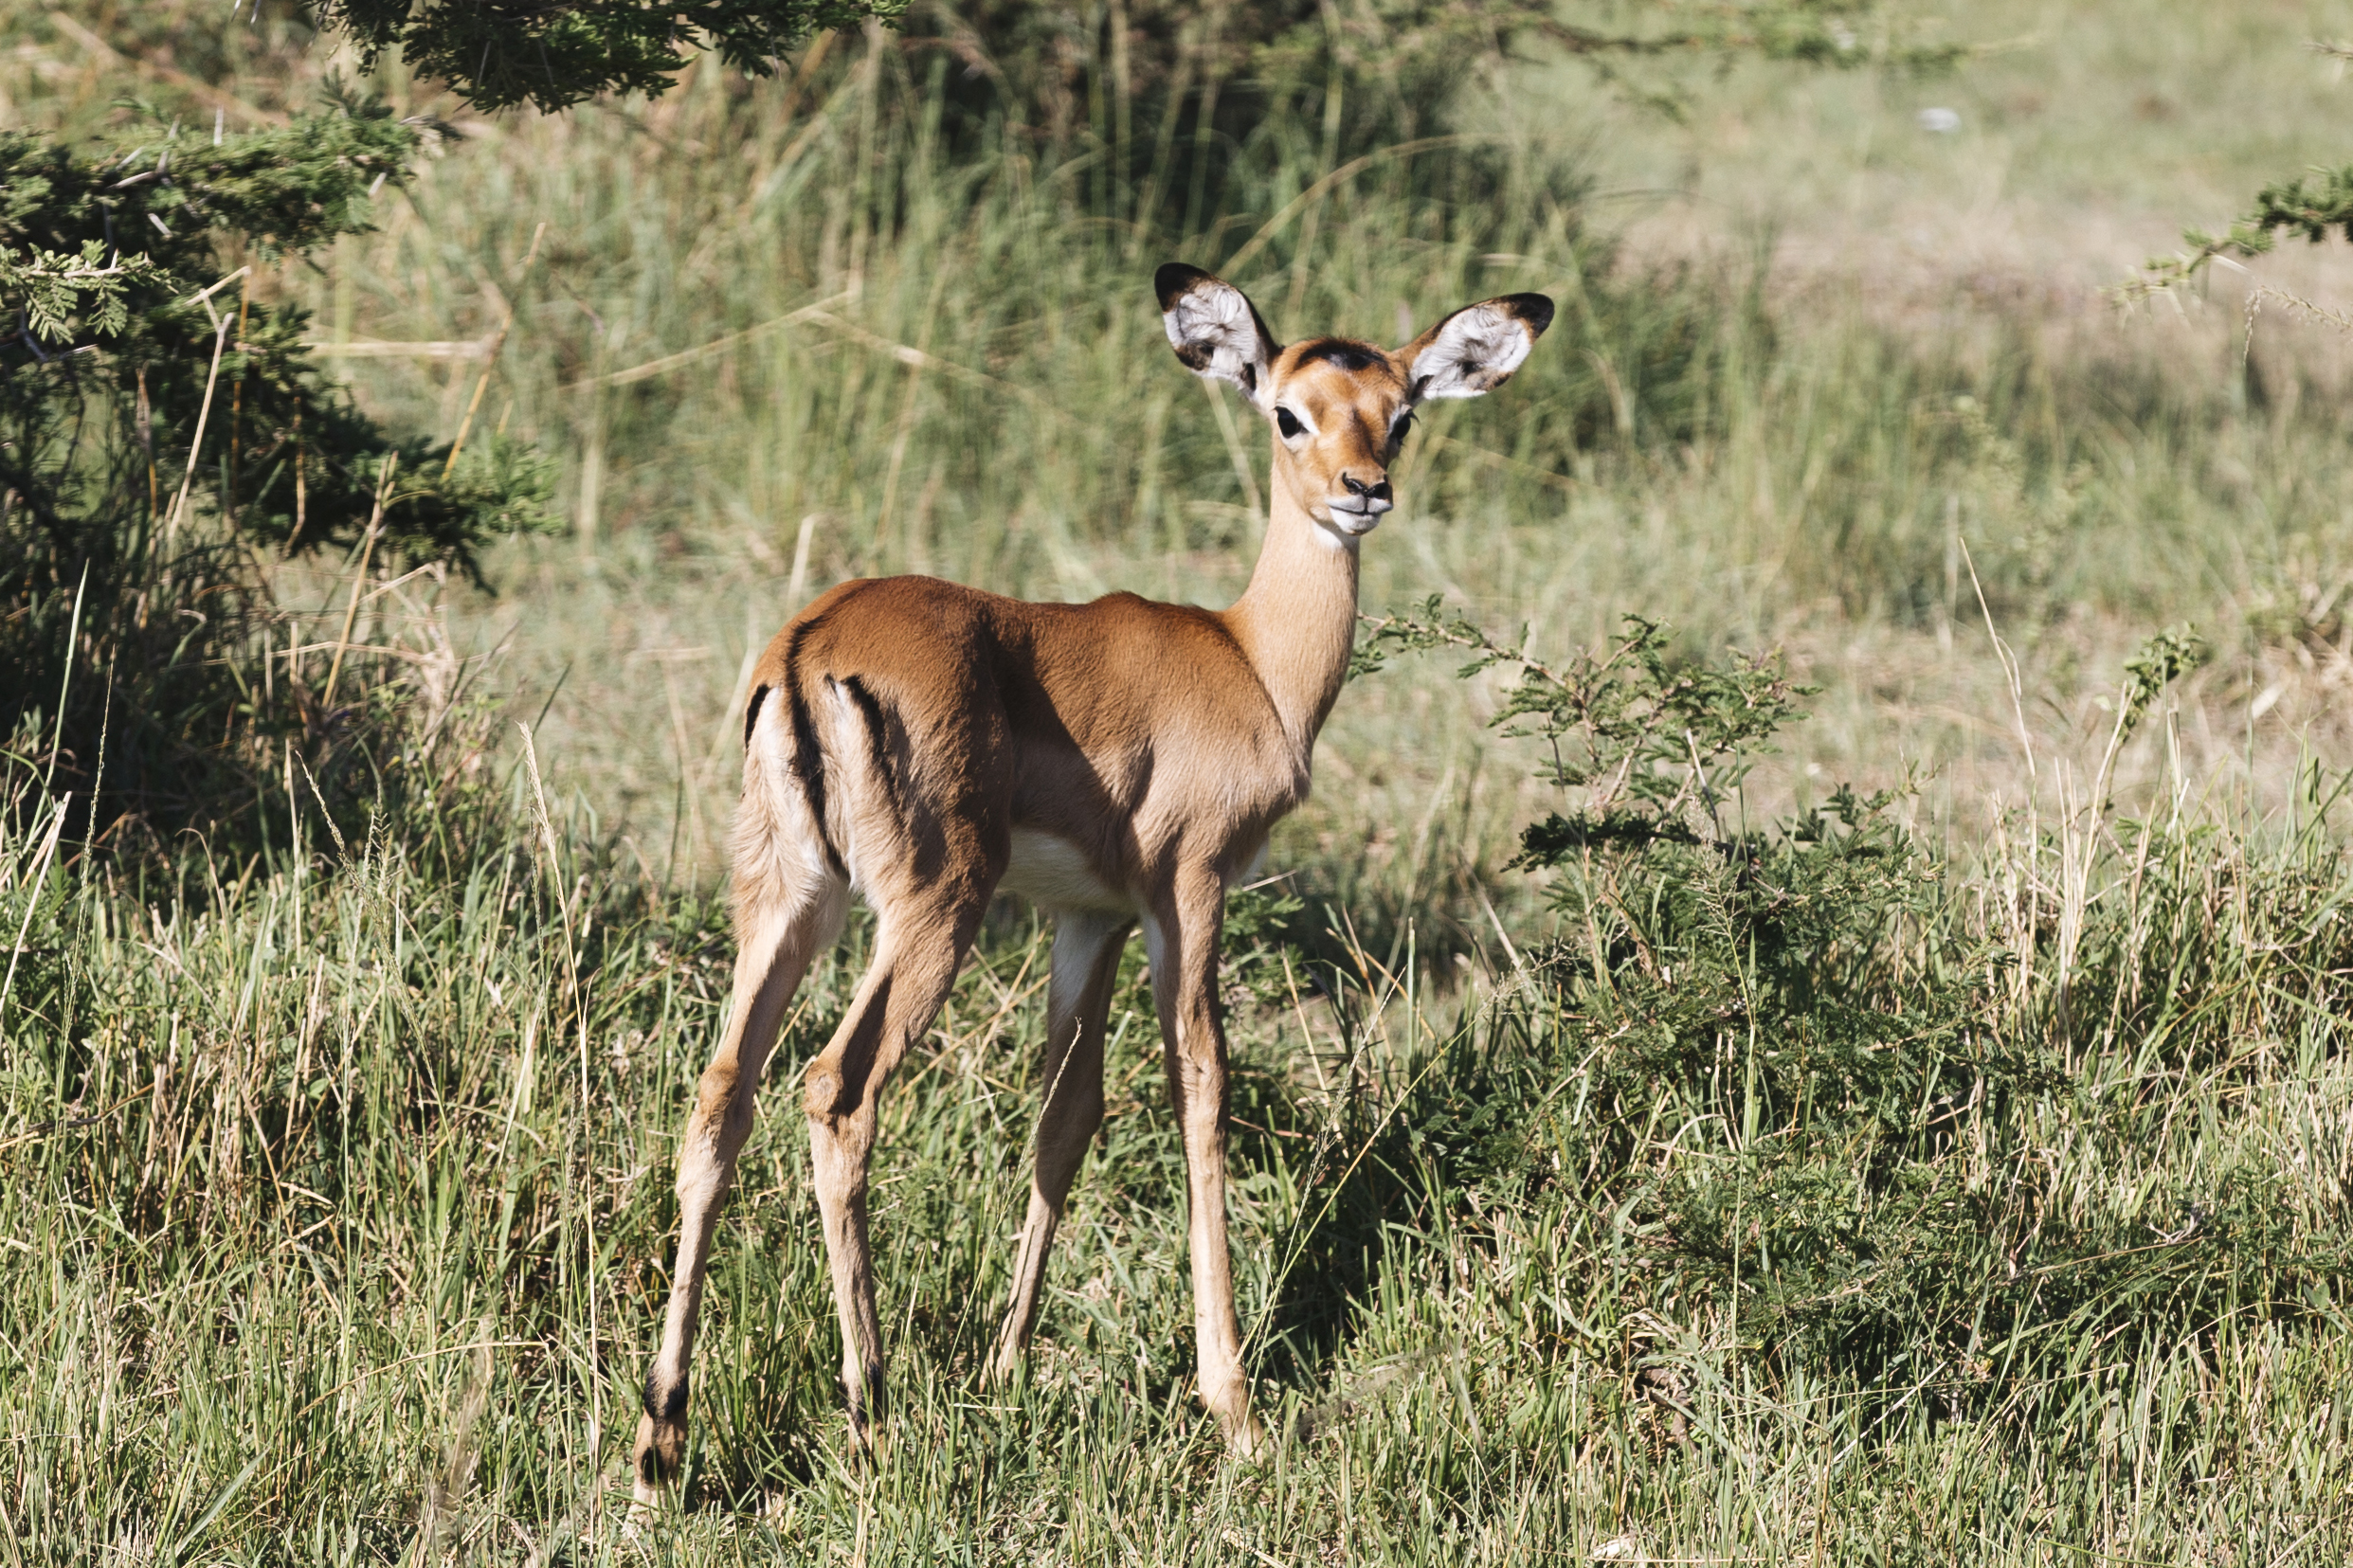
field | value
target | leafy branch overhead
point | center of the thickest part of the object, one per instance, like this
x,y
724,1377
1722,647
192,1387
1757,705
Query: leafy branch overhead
x,y
99,251
2312,207
555,53
55,289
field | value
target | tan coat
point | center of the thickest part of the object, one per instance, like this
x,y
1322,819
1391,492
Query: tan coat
x,y
925,744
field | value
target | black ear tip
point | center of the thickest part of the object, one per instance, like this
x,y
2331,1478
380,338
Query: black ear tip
x,y
1534,309
1175,278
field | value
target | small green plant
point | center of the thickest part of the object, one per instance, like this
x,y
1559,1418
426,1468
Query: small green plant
x,y
1262,923
2161,660
1656,746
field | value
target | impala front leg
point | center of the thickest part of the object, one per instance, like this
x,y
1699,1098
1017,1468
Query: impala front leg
x,y
1087,945
1183,941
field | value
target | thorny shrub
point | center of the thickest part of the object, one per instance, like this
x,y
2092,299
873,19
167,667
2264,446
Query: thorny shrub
x,y
1792,1072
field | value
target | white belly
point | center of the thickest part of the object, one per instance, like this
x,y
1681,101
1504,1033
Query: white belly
x,y
1051,873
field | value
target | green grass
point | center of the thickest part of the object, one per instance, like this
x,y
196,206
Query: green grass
x,y
335,1204
340,1212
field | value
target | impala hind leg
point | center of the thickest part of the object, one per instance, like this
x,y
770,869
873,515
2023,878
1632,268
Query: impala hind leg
x,y
1183,941
915,957
776,940
1078,993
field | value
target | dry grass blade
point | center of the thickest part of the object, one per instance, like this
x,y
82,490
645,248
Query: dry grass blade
x,y
359,581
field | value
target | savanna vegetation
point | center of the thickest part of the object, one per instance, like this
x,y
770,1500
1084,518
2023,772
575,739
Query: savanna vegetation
x,y
1805,1020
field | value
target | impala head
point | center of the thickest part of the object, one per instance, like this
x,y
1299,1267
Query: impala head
x,y
1340,407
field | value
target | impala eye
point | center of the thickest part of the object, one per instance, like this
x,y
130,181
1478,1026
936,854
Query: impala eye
x,y
1288,422
1396,431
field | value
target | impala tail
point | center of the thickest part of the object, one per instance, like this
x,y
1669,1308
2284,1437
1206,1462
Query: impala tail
x,y
784,848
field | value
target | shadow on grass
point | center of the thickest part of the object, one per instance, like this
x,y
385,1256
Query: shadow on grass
x,y
1391,1173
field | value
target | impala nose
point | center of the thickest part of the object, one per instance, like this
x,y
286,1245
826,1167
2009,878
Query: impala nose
x,y
1373,499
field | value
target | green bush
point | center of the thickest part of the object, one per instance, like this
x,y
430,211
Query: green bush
x,y
165,435
1816,994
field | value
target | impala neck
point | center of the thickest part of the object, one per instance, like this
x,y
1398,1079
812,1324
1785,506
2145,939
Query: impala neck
x,y
1297,622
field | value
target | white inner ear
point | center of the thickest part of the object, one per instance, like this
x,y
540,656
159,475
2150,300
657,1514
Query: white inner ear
x,y
1216,320
1475,348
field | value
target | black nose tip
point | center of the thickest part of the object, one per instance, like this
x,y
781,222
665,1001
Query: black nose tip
x,y
1370,492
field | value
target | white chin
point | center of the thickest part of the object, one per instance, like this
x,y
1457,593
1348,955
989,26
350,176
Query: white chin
x,y
1353,525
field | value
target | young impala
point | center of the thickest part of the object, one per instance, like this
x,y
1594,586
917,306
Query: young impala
x,y
1122,762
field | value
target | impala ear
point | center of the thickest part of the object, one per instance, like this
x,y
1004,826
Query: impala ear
x,y
1477,349
1216,330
